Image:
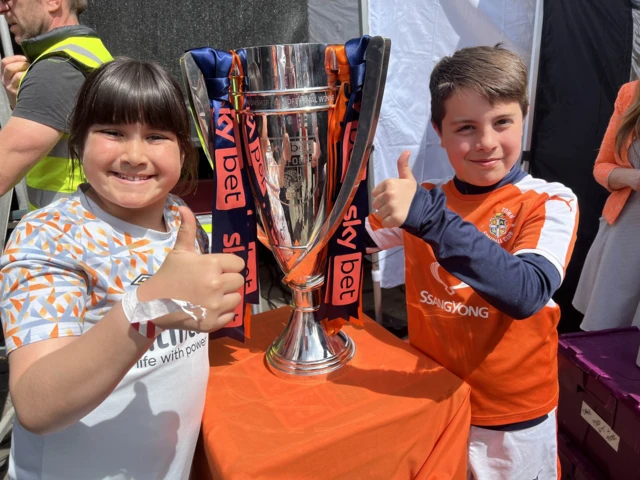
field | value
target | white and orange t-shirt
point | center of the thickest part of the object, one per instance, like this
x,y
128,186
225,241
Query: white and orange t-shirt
x,y
64,267
470,259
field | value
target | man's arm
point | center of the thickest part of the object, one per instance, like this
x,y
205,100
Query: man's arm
x,y
22,144
47,95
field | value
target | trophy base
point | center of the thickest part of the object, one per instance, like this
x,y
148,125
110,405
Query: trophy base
x,y
304,352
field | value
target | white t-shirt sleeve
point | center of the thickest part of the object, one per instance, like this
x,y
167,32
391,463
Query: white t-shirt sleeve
x,y
42,298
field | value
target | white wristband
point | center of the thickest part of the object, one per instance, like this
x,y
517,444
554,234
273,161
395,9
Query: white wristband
x,y
142,314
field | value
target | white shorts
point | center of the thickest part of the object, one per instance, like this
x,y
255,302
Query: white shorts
x,y
529,454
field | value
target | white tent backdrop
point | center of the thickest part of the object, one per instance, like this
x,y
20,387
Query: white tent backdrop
x,y
421,32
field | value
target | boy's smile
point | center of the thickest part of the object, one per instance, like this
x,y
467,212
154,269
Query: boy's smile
x,y
483,141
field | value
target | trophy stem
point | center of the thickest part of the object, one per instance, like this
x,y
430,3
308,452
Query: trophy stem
x,y
304,351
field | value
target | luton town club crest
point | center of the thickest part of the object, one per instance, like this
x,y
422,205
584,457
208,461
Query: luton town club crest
x,y
498,225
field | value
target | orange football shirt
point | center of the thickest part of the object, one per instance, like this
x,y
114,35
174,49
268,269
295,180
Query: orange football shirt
x,y
511,365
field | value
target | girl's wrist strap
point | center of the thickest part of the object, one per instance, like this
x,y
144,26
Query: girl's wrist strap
x,y
141,314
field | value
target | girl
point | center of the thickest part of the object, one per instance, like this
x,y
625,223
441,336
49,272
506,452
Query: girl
x,y
107,298
608,293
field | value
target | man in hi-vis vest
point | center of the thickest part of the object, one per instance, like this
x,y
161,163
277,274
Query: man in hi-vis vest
x,y
42,86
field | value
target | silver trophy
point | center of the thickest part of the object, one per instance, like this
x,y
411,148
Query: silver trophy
x,y
286,102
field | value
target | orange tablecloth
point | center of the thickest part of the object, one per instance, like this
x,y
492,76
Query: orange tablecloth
x,y
393,414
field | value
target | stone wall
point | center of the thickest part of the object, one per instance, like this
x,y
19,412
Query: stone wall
x,y
161,30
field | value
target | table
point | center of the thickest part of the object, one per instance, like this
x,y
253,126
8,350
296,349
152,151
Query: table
x,y
393,414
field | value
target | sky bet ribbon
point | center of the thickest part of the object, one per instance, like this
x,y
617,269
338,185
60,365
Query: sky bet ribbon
x,y
342,293
233,220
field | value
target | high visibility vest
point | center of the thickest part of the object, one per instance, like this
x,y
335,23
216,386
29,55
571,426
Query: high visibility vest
x,y
53,177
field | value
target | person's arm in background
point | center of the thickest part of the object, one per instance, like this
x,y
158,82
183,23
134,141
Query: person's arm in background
x,y
22,144
39,120
606,171
624,178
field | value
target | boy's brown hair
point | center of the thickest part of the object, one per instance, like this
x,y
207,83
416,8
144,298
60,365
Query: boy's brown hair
x,y
497,74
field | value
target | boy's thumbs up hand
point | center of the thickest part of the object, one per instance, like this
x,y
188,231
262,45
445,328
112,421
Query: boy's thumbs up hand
x,y
392,198
404,170
211,281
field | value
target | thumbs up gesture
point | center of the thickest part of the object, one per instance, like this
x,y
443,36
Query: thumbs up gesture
x,y
392,198
211,281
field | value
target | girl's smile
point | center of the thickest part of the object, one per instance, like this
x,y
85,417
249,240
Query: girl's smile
x,y
132,178
131,169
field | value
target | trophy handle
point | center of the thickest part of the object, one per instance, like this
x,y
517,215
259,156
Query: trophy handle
x,y
196,91
377,62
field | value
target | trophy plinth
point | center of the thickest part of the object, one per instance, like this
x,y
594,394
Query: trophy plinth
x,y
304,351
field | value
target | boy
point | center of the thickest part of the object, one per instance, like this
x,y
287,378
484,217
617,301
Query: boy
x,y
485,251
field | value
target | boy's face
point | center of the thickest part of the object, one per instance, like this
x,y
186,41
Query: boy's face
x,y
482,141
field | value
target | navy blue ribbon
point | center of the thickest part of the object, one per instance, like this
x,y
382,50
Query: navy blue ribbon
x,y
343,284
233,222
252,295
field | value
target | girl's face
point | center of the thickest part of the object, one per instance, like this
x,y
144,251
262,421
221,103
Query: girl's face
x,y
131,169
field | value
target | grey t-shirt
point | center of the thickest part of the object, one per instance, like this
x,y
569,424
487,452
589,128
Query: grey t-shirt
x,y
48,93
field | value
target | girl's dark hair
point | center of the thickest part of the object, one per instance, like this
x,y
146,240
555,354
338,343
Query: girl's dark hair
x,y
128,91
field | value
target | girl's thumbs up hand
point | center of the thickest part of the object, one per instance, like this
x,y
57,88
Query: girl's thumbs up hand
x,y
210,281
